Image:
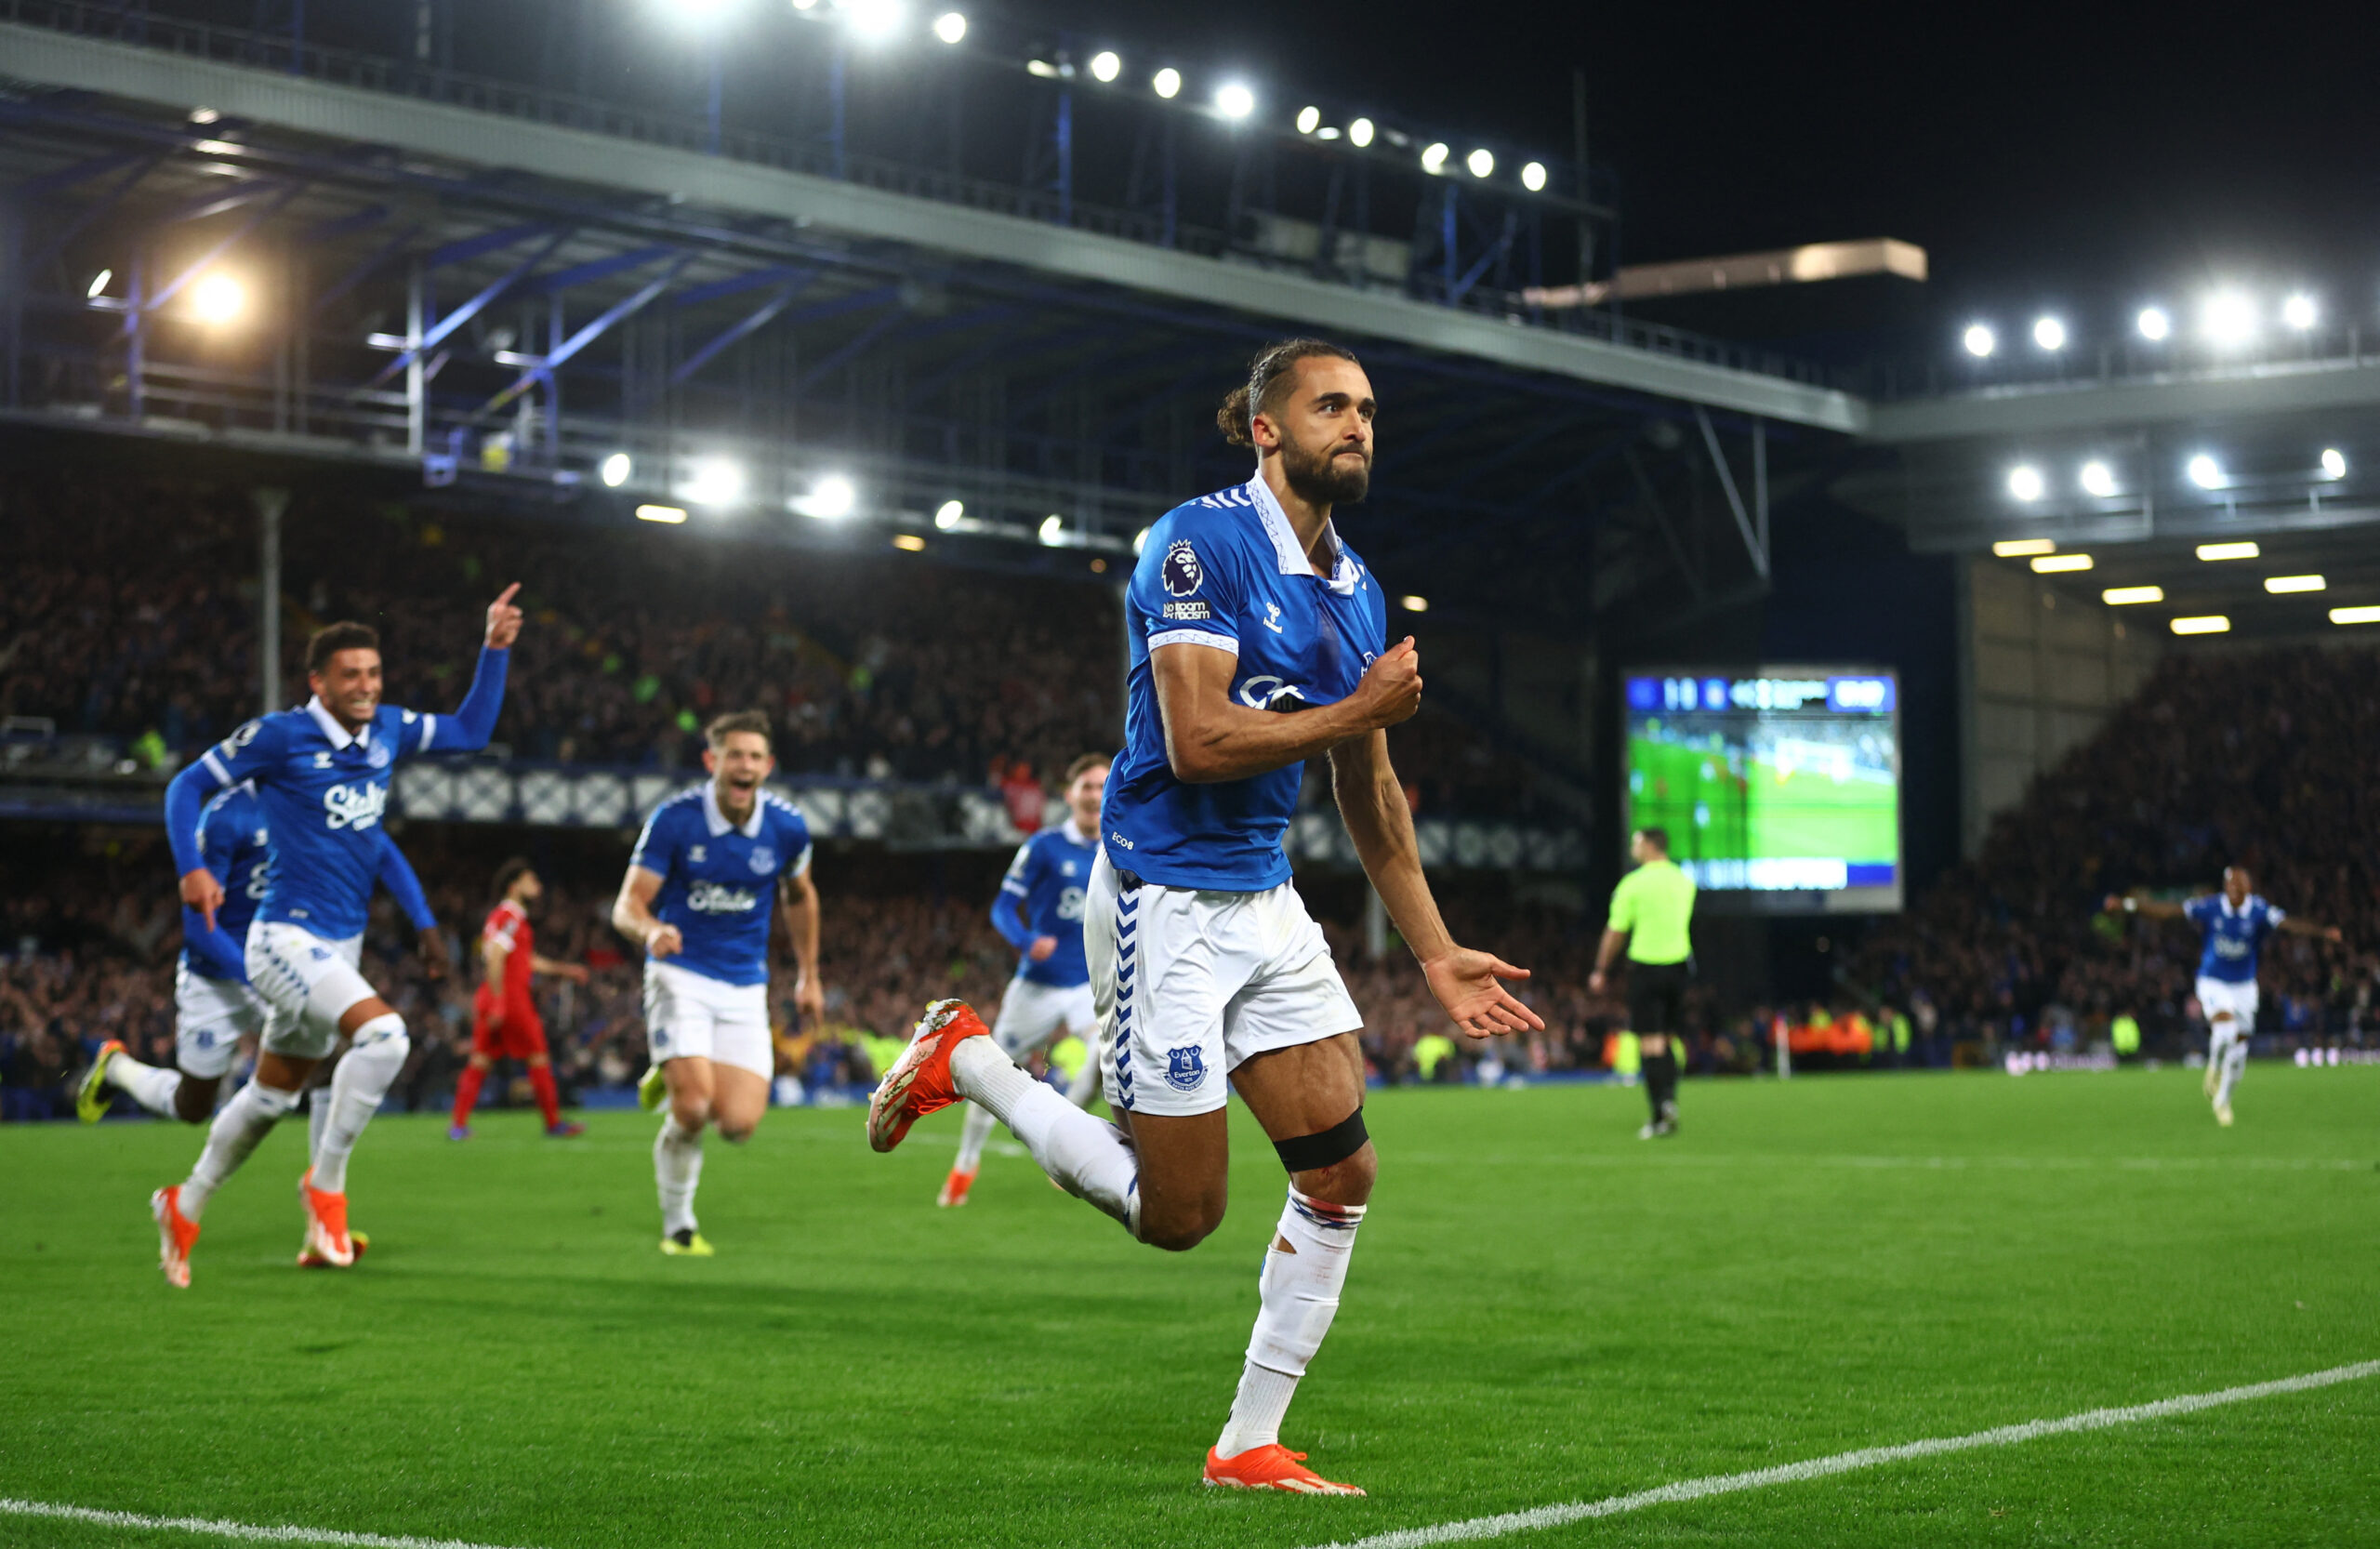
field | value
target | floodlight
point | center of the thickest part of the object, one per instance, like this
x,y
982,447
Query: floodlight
x,y
1053,530
1979,340
1434,156
874,20
2099,479
2025,481
614,470
2205,624
805,5
947,514
1041,70
715,482
98,283
1108,64
2279,584
1327,132
1234,100
1414,605
2299,312
909,541
2229,318
831,499
2205,473
1533,177
218,298
669,514
2049,334
701,10
2121,597
1167,83
2355,616
1359,133
1309,119
2018,547
2334,463
2154,325
2213,551
950,26
204,115
2053,565
1482,162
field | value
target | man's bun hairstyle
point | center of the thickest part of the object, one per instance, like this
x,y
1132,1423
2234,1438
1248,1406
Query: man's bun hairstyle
x,y
1267,374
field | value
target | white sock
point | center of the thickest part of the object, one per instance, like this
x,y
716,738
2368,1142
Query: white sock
x,y
677,1168
253,1110
2235,1060
152,1086
318,1117
1090,1158
362,1079
1298,1293
972,1136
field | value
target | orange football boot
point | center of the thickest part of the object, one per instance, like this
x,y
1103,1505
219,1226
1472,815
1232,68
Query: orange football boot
x,y
177,1234
326,1238
920,1082
1270,1467
955,1187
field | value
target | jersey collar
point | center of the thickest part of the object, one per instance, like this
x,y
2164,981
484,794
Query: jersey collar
x,y
1285,552
1075,835
749,828
340,737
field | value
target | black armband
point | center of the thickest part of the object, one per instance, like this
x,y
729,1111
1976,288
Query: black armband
x,y
1305,1153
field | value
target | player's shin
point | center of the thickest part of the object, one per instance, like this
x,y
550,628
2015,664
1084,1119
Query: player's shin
x,y
245,1121
362,1080
1298,1293
1088,1156
153,1086
677,1170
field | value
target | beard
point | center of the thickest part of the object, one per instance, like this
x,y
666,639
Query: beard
x,y
1322,477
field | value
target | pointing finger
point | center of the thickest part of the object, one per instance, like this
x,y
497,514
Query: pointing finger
x,y
506,599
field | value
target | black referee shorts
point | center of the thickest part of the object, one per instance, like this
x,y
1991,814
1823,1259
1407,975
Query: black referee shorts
x,y
1655,994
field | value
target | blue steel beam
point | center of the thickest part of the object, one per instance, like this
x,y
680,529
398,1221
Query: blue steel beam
x,y
469,309
344,225
91,212
230,239
363,272
876,330
486,242
597,268
221,201
752,322
81,172
590,332
736,285
1115,364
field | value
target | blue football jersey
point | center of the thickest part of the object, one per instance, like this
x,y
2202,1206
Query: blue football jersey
x,y
232,843
1046,883
2234,938
1225,571
720,880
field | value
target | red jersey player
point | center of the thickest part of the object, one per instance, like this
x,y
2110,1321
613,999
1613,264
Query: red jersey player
x,y
503,1015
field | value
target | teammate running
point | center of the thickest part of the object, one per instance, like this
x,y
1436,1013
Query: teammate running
x,y
2235,923
696,899
504,1023
1038,908
1258,641
322,775
214,1008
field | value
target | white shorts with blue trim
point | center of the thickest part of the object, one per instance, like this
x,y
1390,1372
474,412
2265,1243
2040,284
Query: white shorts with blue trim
x,y
1189,984
1035,1015
2238,996
691,1016
210,1017
307,985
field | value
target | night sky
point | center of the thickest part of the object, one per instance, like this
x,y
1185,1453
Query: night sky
x,y
2079,155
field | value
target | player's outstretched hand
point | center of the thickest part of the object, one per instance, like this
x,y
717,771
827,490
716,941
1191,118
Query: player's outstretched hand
x,y
1466,984
810,999
431,946
203,893
504,620
665,942
1391,690
574,971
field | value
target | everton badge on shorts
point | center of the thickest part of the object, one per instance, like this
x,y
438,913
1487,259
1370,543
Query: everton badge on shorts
x,y
1182,573
1185,1069
764,860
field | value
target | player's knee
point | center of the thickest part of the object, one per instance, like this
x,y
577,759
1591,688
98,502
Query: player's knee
x,y
191,1107
1181,1233
1346,1182
737,1131
383,1037
1337,1164
691,1112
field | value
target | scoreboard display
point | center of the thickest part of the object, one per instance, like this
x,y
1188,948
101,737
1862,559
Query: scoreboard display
x,y
1779,785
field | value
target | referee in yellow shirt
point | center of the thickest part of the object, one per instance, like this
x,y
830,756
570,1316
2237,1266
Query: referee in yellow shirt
x,y
1652,911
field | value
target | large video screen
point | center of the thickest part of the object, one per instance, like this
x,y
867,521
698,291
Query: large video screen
x,y
1779,785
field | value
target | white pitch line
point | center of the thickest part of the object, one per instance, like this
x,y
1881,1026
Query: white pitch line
x,y
249,1530
1844,1462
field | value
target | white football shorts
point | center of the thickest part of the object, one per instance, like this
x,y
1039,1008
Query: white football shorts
x,y
1189,984
691,1016
307,985
1035,1015
210,1017
2225,995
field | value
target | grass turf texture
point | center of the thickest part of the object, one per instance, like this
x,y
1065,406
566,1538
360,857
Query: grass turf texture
x,y
1808,813
1541,1309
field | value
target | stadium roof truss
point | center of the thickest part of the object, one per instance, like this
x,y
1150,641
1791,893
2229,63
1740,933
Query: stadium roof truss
x,y
506,320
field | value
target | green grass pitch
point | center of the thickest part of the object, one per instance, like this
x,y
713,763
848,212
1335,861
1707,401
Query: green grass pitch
x,y
1541,1309
1809,814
